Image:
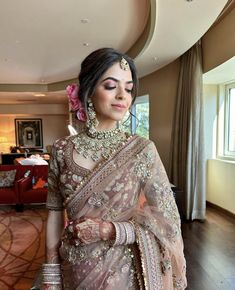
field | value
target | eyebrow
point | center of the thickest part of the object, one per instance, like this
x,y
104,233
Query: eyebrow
x,y
115,80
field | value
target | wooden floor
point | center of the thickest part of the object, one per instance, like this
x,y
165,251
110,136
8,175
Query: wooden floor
x,y
210,252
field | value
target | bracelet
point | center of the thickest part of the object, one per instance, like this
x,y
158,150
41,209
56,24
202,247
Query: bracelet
x,y
118,234
51,274
120,238
130,233
52,287
125,233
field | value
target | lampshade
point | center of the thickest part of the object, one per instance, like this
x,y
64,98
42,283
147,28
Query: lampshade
x,y
3,140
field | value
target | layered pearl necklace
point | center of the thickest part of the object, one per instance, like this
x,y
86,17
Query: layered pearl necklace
x,y
99,144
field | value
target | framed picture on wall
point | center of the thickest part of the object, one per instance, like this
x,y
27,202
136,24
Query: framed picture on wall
x,y
29,133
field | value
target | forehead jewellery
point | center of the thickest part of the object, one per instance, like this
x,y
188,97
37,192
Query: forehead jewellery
x,y
124,64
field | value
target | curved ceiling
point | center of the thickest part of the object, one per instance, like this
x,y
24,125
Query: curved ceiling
x,y
43,42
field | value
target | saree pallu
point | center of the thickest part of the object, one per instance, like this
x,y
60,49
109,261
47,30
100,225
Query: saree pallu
x,y
131,185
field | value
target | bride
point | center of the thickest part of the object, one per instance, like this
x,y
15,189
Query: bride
x,y
113,221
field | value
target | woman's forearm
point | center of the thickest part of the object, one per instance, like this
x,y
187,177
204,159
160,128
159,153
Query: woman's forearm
x,y
55,224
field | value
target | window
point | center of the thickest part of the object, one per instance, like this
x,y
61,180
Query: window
x,y
229,121
138,122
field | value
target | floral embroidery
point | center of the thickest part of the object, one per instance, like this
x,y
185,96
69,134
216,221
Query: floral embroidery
x,y
165,200
178,283
113,277
143,168
166,266
98,199
111,214
118,187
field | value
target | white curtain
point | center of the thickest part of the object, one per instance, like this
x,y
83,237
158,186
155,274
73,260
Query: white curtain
x,y
187,170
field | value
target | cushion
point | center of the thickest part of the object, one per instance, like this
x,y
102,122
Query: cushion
x,y
7,178
39,184
33,160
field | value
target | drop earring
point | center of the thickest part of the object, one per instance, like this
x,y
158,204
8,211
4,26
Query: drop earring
x,y
92,121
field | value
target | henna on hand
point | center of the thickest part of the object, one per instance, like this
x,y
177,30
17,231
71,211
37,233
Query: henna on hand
x,y
87,231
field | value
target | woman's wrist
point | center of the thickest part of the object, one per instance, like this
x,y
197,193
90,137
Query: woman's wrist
x,y
51,276
107,231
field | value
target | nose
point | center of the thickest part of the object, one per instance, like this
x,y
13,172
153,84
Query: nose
x,y
121,94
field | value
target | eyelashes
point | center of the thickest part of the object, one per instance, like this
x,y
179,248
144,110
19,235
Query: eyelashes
x,y
109,88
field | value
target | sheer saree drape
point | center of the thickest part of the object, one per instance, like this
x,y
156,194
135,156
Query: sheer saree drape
x,y
132,185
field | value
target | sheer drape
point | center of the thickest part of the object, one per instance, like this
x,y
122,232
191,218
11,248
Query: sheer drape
x,y
187,156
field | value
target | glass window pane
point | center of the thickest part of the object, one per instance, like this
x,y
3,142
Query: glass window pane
x,y
231,121
142,114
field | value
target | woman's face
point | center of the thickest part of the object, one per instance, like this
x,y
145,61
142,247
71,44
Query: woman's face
x,y
112,97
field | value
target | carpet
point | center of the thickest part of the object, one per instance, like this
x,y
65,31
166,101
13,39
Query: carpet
x,y
22,246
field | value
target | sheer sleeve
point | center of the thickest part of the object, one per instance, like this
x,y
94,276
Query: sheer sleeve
x,y
159,215
54,197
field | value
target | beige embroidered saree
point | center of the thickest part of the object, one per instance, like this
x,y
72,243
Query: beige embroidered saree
x,y
132,185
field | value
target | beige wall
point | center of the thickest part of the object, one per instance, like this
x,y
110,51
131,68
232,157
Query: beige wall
x,y
31,109
219,43
220,189
221,184
210,95
161,86
54,122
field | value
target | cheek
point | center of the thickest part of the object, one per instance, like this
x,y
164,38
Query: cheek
x,y
130,102
100,99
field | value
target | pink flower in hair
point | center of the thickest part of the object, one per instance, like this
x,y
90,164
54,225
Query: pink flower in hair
x,y
81,115
75,103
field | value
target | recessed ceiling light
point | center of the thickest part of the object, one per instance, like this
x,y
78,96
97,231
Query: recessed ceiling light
x,y
85,20
39,95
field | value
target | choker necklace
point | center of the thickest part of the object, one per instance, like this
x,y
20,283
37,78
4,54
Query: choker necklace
x,y
103,134
100,144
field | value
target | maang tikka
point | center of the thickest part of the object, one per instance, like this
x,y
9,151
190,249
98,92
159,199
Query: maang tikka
x,y
124,64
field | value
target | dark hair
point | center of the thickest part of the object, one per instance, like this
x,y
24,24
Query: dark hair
x,y
95,65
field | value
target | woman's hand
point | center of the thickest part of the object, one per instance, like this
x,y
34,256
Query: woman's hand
x,y
89,230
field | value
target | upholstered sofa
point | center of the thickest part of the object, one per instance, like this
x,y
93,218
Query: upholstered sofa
x,y
18,189
33,189
10,177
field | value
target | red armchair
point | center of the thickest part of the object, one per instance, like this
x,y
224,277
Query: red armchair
x,y
10,195
28,194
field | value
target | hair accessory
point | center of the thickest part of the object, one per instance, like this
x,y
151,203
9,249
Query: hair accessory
x,y
75,103
124,64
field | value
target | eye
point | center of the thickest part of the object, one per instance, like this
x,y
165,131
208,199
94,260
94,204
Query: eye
x,y
109,88
129,91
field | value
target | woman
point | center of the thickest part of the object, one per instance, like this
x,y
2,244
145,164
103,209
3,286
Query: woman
x,y
122,227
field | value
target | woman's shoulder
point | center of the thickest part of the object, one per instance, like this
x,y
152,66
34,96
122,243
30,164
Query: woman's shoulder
x,y
61,142
147,142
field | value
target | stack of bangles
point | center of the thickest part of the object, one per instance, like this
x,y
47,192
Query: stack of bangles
x,y
51,275
125,233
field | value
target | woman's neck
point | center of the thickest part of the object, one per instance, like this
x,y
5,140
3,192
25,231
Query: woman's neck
x,y
106,126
